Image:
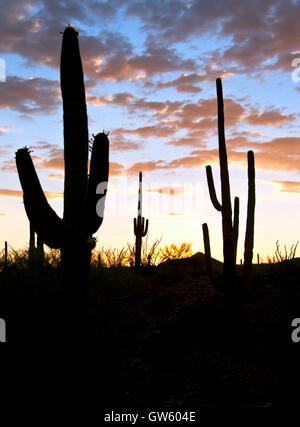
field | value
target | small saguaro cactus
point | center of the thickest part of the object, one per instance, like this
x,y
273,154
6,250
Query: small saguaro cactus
x,y
229,226
139,226
83,197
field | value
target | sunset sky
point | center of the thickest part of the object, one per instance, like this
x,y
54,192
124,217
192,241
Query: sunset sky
x,y
150,68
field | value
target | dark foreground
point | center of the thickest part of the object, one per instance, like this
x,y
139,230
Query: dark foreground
x,y
157,339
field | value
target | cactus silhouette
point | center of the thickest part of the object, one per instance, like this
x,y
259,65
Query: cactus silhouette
x,y
249,237
208,261
229,226
36,245
83,195
139,226
5,255
31,240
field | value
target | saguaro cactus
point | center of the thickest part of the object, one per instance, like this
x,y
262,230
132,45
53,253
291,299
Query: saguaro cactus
x,y
249,237
139,226
82,194
229,226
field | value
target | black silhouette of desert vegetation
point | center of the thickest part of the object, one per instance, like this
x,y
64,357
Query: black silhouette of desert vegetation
x,y
142,326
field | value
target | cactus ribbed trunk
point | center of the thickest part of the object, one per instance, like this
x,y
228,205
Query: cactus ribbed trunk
x,y
229,249
138,251
74,255
236,225
249,237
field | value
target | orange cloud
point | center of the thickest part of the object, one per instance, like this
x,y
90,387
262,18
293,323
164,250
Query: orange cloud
x,y
184,83
119,143
288,186
269,118
60,177
159,131
145,167
191,141
19,194
115,169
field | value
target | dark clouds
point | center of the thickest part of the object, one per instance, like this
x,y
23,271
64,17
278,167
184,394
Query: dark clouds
x,y
29,96
255,33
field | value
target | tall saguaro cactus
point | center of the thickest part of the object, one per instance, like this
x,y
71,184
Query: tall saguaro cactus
x,y
139,226
249,238
229,225
73,233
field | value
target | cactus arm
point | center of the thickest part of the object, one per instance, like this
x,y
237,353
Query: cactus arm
x,y
212,191
146,228
42,217
75,134
249,238
236,224
97,183
134,226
